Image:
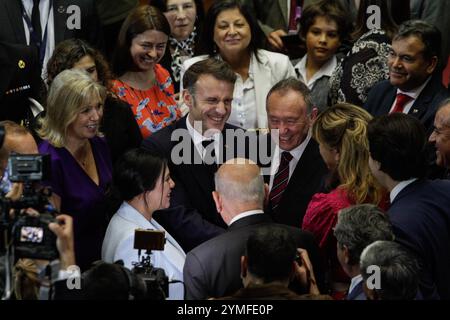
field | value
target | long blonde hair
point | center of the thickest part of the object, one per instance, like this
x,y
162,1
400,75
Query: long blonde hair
x,y
69,93
344,127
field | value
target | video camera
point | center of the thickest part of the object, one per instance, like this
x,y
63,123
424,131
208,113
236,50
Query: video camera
x,y
29,235
155,279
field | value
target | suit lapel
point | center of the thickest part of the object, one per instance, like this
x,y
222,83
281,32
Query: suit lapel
x,y
284,9
262,73
420,106
14,10
388,101
60,19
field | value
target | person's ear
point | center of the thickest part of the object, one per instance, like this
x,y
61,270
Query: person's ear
x,y
266,194
244,266
432,65
337,155
313,115
217,201
188,98
346,254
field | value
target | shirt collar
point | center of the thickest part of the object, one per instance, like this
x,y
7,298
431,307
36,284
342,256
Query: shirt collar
x,y
326,70
355,281
399,187
297,151
196,136
245,214
415,92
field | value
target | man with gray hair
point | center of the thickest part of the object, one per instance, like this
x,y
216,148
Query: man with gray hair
x,y
389,272
356,228
213,268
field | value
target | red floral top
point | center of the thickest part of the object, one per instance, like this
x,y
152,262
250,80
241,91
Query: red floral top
x,y
154,108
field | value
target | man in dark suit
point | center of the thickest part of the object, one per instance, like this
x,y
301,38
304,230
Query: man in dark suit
x,y
20,80
213,268
420,208
415,85
356,228
440,137
290,115
194,146
42,27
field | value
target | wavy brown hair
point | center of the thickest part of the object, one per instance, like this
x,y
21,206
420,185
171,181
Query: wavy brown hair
x,y
69,52
344,127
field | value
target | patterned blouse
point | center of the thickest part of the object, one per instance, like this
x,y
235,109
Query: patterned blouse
x,y
364,66
154,108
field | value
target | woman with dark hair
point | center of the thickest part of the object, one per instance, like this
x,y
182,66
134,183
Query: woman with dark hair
x,y
144,185
118,124
367,62
231,33
184,17
142,82
341,132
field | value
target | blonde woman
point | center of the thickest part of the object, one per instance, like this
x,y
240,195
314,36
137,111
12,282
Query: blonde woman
x,y
341,132
80,161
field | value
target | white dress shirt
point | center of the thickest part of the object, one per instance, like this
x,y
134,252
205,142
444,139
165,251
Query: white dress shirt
x,y
399,187
413,94
326,70
47,21
198,138
245,214
296,153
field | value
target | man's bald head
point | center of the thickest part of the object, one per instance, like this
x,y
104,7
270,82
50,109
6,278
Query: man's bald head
x,y
239,181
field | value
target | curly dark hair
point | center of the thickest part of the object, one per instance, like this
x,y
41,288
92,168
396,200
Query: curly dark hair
x,y
69,52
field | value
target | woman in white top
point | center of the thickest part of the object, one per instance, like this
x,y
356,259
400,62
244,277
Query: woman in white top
x,y
144,185
231,33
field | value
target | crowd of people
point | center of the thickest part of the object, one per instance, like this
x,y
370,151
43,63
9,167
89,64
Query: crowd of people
x,y
161,115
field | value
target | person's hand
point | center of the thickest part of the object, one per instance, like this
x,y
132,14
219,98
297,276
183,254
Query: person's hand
x,y
16,191
305,272
64,242
274,39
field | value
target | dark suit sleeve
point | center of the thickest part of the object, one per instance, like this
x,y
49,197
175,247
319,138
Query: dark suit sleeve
x,y
194,278
93,32
187,226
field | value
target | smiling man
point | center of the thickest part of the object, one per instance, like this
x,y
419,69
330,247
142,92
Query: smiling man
x,y
199,136
414,86
440,136
297,169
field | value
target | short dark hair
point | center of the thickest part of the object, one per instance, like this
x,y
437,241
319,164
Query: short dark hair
x,y
398,142
214,67
207,44
331,10
296,85
137,171
360,225
139,20
399,270
270,251
69,52
426,32
111,281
